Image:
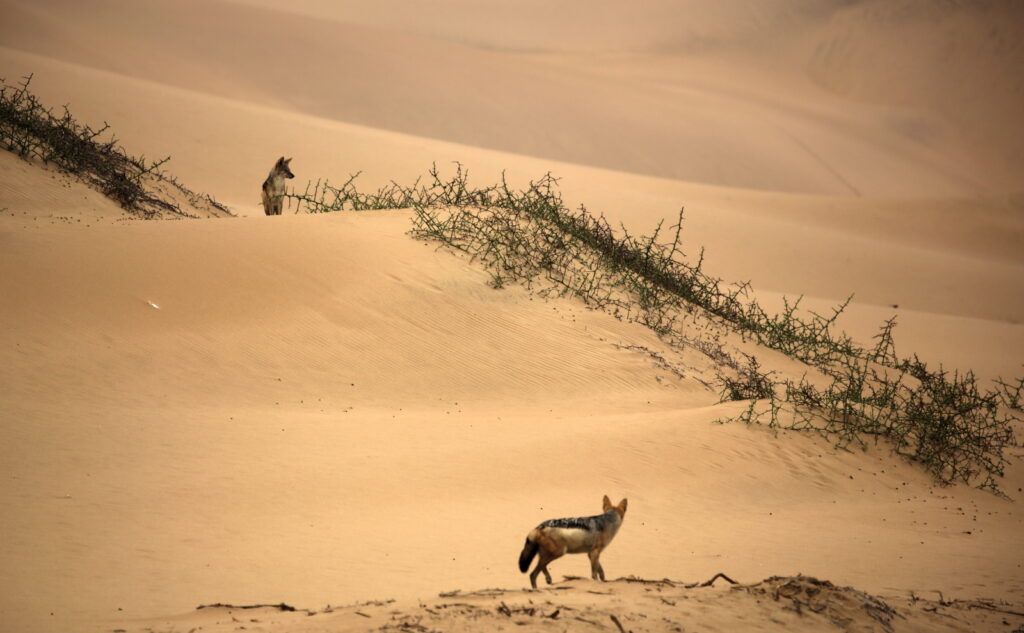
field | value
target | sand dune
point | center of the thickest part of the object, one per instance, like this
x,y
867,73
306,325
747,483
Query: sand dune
x,y
320,410
787,136
960,60
965,269
577,26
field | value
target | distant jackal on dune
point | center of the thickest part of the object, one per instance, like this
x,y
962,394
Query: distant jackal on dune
x,y
557,537
273,186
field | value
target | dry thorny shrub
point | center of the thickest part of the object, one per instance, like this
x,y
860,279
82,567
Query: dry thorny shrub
x,y
944,421
34,132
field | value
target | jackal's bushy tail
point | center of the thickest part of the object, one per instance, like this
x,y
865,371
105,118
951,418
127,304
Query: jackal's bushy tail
x,y
526,557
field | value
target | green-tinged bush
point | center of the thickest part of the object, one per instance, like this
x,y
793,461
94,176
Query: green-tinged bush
x,y
943,421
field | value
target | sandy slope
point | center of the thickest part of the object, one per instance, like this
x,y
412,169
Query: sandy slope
x,y
326,411
957,59
321,410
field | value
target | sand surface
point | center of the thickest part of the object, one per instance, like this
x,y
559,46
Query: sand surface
x,y
320,410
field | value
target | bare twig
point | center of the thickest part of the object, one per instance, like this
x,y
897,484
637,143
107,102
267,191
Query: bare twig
x,y
279,606
617,623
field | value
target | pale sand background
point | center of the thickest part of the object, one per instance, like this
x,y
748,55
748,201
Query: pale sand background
x,y
323,410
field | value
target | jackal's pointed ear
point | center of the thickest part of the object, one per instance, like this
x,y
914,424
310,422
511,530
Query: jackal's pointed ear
x,y
285,160
607,505
621,508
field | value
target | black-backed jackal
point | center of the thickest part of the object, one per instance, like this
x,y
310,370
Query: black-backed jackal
x,y
557,537
273,186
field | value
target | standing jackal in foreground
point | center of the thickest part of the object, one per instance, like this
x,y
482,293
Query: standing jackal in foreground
x,y
557,537
273,186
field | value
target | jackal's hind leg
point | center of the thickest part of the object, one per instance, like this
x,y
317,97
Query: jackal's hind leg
x,y
596,571
533,576
542,566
